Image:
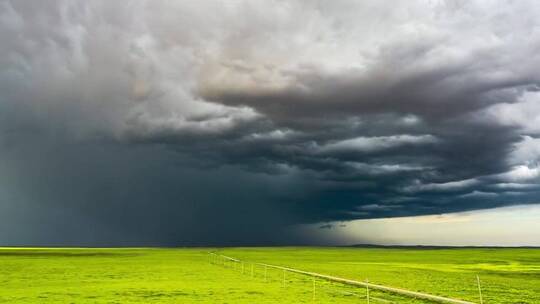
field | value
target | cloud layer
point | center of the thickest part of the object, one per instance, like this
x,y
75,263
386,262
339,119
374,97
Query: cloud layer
x,y
225,121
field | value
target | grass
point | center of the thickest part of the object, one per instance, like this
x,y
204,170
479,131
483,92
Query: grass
x,y
35,275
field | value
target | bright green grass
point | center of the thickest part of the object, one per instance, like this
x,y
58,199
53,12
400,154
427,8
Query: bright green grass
x,y
186,276
507,275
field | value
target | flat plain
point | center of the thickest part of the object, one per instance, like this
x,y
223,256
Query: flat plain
x,y
191,275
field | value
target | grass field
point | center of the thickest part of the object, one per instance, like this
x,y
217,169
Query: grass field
x,y
187,276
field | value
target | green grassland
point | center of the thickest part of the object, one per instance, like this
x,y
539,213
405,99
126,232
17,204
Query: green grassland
x,y
37,275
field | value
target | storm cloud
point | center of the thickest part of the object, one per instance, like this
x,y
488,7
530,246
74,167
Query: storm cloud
x,y
225,122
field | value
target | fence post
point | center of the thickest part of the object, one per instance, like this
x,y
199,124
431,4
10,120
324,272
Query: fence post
x,y
283,277
367,291
479,289
313,290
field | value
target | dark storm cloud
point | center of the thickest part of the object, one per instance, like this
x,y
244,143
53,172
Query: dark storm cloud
x,y
153,122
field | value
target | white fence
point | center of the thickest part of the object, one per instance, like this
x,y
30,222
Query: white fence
x,y
241,265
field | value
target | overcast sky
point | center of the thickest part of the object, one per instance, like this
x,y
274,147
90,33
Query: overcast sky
x,y
232,122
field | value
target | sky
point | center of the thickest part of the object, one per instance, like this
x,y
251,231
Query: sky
x,y
513,226
177,123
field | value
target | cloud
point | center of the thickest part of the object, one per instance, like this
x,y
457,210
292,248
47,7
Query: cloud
x,y
521,173
371,144
523,114
448,186
114,113
326,226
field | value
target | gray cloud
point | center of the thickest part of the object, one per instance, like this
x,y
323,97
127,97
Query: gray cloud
x,y
225,121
